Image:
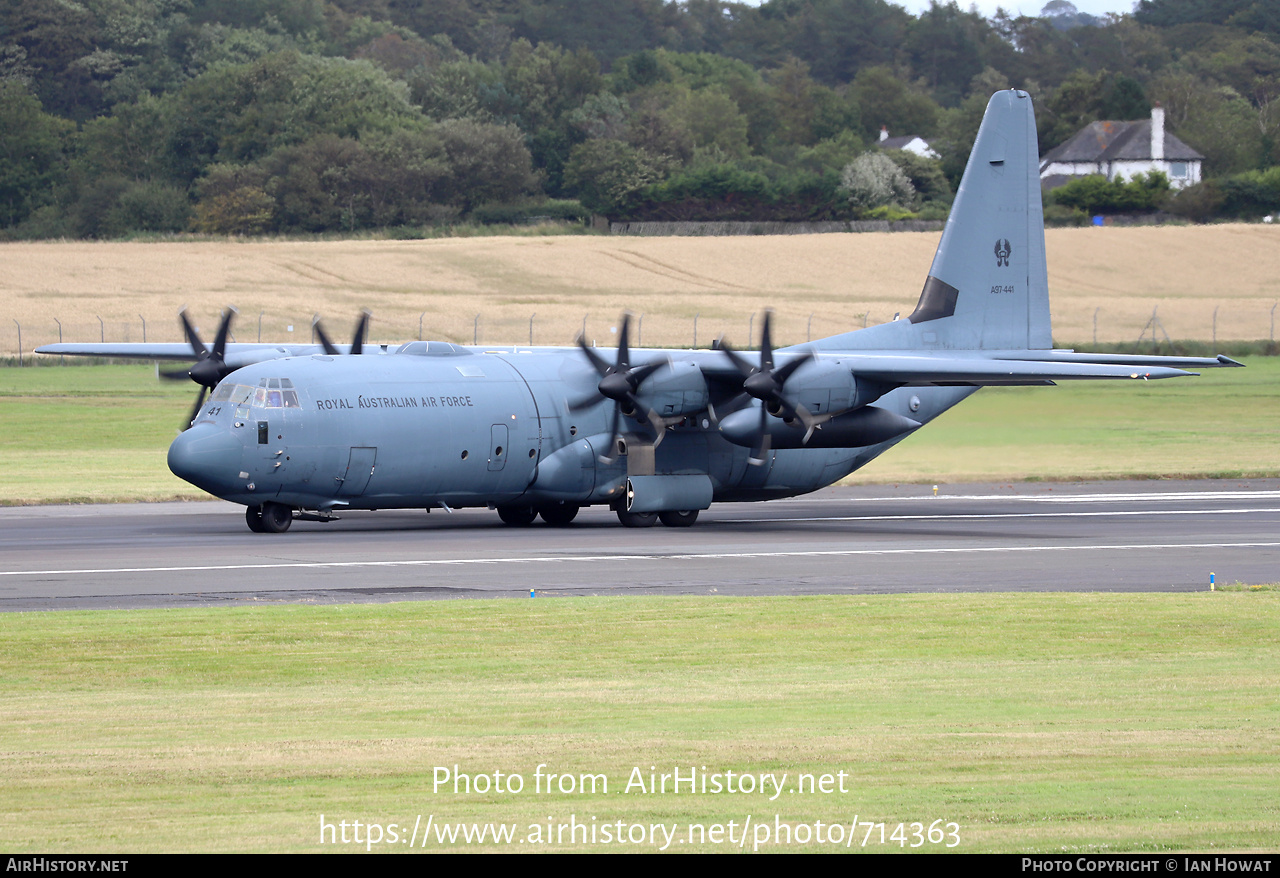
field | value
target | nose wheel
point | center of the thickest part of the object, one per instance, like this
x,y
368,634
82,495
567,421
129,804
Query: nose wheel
x,y
269,518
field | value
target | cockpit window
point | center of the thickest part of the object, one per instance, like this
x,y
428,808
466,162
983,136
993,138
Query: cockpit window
x,y
261,396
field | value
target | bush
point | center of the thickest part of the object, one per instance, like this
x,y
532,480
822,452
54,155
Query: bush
x,y
1198,203
516,214
1096,194
1061,215
873,180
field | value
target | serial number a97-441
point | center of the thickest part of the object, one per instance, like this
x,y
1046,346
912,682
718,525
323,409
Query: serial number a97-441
x,y
995,291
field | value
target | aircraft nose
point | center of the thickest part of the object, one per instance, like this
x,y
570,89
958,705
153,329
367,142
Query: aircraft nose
x,y
207,456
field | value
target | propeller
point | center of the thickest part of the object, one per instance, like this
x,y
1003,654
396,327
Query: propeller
x,y
210,366
357,340
766,382
621,382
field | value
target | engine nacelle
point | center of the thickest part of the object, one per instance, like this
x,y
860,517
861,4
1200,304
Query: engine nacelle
x,y
868,425
676,389
825,386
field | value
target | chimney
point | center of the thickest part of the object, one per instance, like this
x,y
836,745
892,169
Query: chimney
x,y
1157,132
884,132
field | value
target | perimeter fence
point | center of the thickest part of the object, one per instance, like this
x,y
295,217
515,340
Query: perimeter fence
x,y
1165,328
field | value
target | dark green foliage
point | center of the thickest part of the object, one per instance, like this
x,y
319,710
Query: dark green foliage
x,y
925,175
944,45
1198,203
243,112
1250,195
1097,195
1260,15
530,212
32,159
119,116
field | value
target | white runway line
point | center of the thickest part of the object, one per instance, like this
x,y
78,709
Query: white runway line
x,y
657,556
945,516
1170,497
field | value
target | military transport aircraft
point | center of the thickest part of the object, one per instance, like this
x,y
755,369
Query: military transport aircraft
x,y
306,431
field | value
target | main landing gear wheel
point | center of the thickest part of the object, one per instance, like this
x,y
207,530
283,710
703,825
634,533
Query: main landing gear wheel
x,y
276,517
637,519
559,515
679,517
269,518
517,516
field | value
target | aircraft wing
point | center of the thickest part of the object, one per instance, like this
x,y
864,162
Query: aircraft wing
x,y
1121,359
923,371
914,369
237,354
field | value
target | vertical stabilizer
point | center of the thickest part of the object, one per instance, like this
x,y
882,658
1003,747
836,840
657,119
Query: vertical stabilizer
x,y
988,288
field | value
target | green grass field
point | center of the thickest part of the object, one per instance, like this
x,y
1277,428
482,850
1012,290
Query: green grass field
x,y
100,433
1036,722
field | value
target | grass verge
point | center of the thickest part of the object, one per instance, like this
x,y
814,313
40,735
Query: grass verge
x,y
1038,723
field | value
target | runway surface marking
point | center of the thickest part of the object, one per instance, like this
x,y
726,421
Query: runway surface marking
x,y
971,515
1058,498
657,556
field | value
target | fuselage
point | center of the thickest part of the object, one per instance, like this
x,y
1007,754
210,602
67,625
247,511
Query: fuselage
x,y
437,424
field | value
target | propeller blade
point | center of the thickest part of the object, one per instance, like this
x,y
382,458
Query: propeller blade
x,y
197,346
325,341
587,402
597,361
613,437
766,344
220,340
362,329
195,409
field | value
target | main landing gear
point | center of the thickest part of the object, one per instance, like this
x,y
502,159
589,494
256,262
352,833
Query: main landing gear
x,y
269,518
556,515
561,514
671,518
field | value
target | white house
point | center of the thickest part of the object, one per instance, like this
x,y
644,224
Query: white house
x,y
1122,149
908,142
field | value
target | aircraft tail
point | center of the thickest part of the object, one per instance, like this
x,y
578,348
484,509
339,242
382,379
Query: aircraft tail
x,y
988,287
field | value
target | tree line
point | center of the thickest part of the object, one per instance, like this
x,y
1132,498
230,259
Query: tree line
x,y
270,116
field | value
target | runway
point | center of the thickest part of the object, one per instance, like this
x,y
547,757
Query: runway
x,y
1102,536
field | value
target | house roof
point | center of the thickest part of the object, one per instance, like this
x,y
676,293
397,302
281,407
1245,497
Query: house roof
x,y
1117,141
900,142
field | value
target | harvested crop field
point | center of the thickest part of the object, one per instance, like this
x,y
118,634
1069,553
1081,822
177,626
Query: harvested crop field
x,y
500,289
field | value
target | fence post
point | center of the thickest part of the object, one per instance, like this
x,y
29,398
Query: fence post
x,y
808,336
1273,322
19,325
144,328
640,331
420,316
531,316
583,334
475,331
695,331
751,329
61,359
102,331
260,313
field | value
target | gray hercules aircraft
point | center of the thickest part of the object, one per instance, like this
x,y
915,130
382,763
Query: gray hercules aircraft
x,y
306,431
